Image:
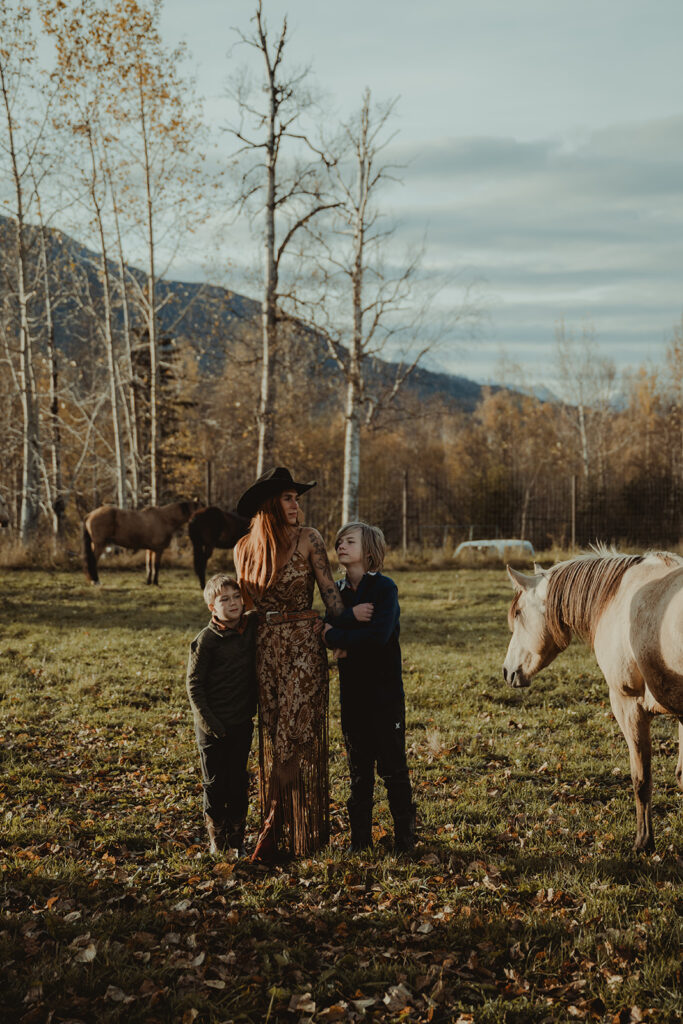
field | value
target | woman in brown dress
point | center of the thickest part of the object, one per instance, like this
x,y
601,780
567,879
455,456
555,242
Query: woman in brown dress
x,y
278,563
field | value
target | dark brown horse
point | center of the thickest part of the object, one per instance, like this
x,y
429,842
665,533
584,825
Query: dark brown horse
x,y
4,512
213,528
150,528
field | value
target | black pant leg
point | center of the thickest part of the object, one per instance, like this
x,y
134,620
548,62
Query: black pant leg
x,y
392,765
224,776
237,796
357,732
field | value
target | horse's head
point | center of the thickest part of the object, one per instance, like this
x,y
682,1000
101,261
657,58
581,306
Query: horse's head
x,y
531,646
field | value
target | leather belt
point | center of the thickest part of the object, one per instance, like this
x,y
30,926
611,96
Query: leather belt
x,y
277,618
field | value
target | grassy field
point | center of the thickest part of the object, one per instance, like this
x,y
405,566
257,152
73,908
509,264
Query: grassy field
x,y
523,903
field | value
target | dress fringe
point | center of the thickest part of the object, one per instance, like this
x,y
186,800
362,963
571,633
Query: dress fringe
x,y
298,792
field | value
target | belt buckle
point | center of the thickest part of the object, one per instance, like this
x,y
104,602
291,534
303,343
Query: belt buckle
x,y
270,616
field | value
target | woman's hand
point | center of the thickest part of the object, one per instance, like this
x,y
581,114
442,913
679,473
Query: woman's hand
x,y
363,612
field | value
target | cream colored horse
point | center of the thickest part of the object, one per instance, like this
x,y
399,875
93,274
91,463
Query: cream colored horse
x,y
629,608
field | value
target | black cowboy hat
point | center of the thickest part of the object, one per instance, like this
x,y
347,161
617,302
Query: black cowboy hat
x,y
275,481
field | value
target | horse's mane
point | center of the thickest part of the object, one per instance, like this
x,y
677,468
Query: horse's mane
x,y
579,591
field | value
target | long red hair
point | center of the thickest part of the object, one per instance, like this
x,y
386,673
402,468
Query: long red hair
x,y
263,551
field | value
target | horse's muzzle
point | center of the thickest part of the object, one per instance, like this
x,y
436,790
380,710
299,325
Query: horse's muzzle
x,y
515,678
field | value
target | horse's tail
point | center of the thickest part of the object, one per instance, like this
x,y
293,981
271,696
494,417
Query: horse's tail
x,y
89,555
198,556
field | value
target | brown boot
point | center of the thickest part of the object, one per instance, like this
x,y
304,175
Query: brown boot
x,y
218,839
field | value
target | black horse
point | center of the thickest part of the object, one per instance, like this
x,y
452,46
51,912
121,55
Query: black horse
x,y
213,528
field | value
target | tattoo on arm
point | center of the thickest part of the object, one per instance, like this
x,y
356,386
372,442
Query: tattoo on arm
x,y
323,574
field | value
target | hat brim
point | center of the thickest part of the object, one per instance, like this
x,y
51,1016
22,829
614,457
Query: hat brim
x,y
253,498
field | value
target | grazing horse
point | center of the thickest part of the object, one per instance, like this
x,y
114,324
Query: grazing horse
x,y
4,512
150,528
211,528
629,608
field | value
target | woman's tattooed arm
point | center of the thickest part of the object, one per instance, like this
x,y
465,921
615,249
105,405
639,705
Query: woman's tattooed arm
x,y
323,573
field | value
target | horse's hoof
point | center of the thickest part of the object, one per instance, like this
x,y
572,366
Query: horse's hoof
x,y
644,846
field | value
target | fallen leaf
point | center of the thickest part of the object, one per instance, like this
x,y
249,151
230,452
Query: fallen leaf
x,y
117,995
87,955
397,998
363,1004
301,1002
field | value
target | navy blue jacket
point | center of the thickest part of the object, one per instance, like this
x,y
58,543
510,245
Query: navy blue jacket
x,y
372,667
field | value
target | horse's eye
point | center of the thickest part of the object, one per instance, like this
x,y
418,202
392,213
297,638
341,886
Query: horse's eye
x,y
518,612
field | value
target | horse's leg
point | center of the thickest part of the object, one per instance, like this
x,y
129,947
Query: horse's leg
x,y
679,766
91,553
148,566
208,551
157,562
634,722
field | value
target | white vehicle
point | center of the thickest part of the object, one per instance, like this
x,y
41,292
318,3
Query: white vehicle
x,y
509,548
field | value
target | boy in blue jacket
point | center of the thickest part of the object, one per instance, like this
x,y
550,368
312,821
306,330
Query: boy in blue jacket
x,y
365,638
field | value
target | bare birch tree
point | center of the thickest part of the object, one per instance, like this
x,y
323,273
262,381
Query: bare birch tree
x,y
19,140
164,130
83,72
587,383
143,167
380,313
284,188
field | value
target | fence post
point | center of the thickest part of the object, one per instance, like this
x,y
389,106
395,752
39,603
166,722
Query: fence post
x,y
573,492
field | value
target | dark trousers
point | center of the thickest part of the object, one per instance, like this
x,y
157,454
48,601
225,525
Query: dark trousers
x,y
375,734
224,772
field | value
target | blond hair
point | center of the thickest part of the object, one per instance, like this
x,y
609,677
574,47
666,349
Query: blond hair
x,y
221,581
372,542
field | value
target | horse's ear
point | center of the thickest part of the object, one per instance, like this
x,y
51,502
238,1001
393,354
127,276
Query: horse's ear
x,y
539,570
519,580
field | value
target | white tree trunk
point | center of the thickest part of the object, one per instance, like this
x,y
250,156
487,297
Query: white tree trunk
x,y
119,456
31,455
269,312
151,312
56,495
129,394
350,509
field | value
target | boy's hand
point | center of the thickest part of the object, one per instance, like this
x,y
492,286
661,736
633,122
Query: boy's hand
x,y
338,653
326,628
363,612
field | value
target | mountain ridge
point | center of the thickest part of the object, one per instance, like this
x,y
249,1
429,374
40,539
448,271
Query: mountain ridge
x,y
196,312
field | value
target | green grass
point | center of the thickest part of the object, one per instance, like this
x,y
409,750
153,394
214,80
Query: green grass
x,y
524,902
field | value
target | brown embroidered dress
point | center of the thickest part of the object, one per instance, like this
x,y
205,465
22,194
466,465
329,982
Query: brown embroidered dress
x,y
293,686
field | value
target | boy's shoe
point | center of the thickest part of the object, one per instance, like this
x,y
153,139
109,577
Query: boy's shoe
x,y
360,841
218,837
235,831
360,820
404,831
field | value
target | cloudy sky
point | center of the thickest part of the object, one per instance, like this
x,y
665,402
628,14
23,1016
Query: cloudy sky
x,y
543,142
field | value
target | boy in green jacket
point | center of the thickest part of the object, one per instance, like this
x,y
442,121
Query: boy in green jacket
x,y
221,685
